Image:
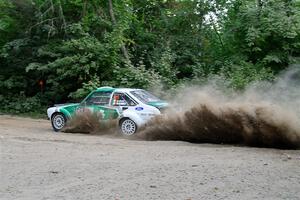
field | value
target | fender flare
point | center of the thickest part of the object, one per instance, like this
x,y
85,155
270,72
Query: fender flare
x,y
65,112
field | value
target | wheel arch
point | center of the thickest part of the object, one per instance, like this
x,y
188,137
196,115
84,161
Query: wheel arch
x,y
133,116
59,112
122,119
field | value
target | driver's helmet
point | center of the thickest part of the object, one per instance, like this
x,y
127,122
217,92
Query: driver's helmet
x,y
116,99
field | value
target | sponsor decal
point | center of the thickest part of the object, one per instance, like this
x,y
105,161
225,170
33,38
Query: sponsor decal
x,y
80,110
83,109
139,108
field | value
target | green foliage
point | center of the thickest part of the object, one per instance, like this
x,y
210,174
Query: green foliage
x,y
86,88
135,77
74,62
241,75
75,46
164,67
267,35
21,104
7,22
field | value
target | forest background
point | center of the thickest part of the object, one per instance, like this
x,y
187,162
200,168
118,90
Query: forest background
x,y
54,51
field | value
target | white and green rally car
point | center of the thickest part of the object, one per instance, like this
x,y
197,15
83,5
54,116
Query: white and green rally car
x,y
132,107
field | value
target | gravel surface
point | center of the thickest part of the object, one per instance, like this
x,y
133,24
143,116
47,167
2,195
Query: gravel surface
x,y
37,163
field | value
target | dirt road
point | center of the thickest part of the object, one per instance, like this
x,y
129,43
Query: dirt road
x,y
37,163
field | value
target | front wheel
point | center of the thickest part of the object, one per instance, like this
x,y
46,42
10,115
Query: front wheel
x,y
58,121
128,127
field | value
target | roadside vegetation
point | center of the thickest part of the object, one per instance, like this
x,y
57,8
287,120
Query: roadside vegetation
x,y
53,51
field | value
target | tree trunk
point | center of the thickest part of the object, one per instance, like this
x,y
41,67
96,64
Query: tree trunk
x,y
114,22
84,7
259,4
217,32
61,15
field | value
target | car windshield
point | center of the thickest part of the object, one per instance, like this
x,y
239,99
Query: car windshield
x,y
144,96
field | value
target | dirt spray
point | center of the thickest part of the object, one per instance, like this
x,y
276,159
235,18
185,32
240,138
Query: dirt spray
x,y
90,123
264,115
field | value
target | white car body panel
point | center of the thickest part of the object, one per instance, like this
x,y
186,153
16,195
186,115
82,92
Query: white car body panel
x,y
50,111
141,113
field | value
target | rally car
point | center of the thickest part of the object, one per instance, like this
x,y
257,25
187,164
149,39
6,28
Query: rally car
x,y
131,107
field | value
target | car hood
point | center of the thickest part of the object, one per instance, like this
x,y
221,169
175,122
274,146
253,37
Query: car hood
x,y
65,105
158,104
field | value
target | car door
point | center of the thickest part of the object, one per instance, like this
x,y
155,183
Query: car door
x,y
98,103
122,101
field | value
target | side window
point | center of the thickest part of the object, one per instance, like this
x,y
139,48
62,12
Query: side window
x,y
121,99
99,98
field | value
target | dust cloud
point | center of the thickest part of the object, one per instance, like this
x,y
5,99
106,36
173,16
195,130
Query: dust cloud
x,y
264,115
90,123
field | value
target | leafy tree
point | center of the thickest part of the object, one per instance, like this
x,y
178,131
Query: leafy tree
x,y
74,46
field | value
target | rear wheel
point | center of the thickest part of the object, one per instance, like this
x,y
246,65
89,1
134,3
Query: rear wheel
x,y
128,126
58,121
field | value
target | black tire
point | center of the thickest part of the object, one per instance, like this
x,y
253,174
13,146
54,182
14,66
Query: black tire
x,y
58,121
127,127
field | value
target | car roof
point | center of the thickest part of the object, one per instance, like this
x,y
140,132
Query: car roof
x,y
111,89
105,89
126,89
